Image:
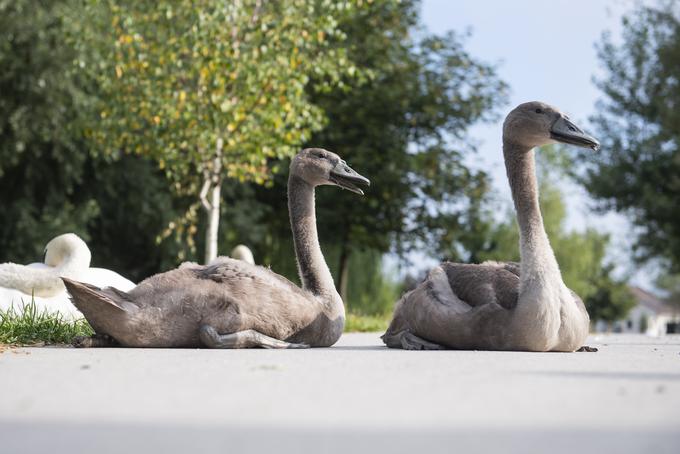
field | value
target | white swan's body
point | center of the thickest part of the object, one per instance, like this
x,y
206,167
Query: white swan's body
x,y
65,256
101,277
16,299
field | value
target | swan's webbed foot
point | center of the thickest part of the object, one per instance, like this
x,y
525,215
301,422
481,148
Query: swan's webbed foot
x,y
242,339
94,341
410,341
585,348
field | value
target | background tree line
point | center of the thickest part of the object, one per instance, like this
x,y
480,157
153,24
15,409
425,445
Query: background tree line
x,y
638,172
138,124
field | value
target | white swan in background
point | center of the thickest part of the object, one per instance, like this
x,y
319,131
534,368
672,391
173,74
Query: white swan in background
x,y
66,255
242,252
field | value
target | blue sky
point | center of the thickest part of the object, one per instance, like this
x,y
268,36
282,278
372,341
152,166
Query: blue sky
x,y
545,50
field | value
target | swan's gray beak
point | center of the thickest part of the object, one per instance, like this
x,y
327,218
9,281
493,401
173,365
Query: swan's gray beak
x,y
565,131
345,177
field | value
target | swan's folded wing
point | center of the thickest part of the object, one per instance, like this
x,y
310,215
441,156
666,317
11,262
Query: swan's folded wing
x,y
513,267
490,282
579,303
229,270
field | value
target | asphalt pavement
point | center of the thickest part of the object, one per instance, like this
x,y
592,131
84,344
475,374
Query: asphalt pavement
x,y
357,396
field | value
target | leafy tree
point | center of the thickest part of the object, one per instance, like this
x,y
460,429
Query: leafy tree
x,y
637,171
134,204
670,285
49,181
404,127
209,89
41,159
611,301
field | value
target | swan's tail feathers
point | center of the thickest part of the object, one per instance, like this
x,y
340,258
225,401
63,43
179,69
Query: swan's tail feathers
x,y
393,340
81,293
398,325
103,308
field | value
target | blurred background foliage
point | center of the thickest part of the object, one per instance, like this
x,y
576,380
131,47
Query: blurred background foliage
x,y
111,113
638,171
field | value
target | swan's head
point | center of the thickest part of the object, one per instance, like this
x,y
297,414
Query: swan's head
x,y
321,167
67,248
242,252
534,124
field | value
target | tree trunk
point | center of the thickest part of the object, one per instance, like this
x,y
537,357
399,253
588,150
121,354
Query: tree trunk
x,y
212,185
343,273
213,223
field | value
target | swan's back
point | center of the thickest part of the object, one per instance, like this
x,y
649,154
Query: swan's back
x,y
489,282
239,279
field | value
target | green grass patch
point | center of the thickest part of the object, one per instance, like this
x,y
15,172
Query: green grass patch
x,y
357,323
27,325
31,326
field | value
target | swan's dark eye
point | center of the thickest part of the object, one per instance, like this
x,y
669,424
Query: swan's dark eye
x,y
539,111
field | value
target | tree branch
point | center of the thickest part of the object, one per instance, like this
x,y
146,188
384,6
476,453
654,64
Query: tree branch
x,y
204,191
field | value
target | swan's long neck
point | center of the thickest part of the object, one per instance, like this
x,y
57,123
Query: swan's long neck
x,y
314,273
537,257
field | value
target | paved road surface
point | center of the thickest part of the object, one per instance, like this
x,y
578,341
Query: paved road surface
x,y
355,397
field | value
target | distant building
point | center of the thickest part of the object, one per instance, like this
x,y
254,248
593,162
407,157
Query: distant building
x,y
651,315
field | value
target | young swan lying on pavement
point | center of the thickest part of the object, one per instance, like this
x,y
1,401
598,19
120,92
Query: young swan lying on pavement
x,y
503,306
230,303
